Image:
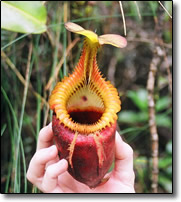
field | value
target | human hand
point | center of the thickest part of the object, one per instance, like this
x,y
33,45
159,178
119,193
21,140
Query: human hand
x,y
50,174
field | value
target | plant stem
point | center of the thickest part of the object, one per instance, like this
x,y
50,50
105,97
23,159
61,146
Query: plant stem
x,y
152,121
122,13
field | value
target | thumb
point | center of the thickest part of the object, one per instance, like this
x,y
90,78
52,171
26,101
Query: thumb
x,y
52,172
124,161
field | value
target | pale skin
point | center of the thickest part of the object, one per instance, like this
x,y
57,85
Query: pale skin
x,y
50,174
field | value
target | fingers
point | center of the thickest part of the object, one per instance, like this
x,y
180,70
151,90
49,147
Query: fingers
x,y
50,179
124,160
45,138
38,162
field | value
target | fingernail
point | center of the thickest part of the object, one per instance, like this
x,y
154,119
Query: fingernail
x,y
64,163
50,124
52,148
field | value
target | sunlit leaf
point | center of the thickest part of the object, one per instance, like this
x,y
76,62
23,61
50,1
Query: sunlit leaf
x,y
165,162
23,16
169,147
162,103
139,98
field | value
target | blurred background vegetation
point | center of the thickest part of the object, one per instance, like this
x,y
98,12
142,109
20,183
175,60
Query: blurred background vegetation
x,y
28,62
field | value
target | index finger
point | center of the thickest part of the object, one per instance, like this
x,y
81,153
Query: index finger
x,y
45,138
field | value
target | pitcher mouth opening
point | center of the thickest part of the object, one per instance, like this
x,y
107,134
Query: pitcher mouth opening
x,y
85,107
87,116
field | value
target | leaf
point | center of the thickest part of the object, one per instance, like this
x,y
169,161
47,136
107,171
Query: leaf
x,y
141,160
3,129
169,147
139,98
169,170
23,16
132,117
165,162
165,182
162,103
163,120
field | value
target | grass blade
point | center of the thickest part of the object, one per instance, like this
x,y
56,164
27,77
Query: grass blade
x,y
3,129
28,73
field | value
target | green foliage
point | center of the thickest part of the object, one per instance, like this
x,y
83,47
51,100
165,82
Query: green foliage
x,y
140,165
132,117
139,98
15,164
23,16
165,167
153,6
163,120
162,103
168,6
134,10
137,122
